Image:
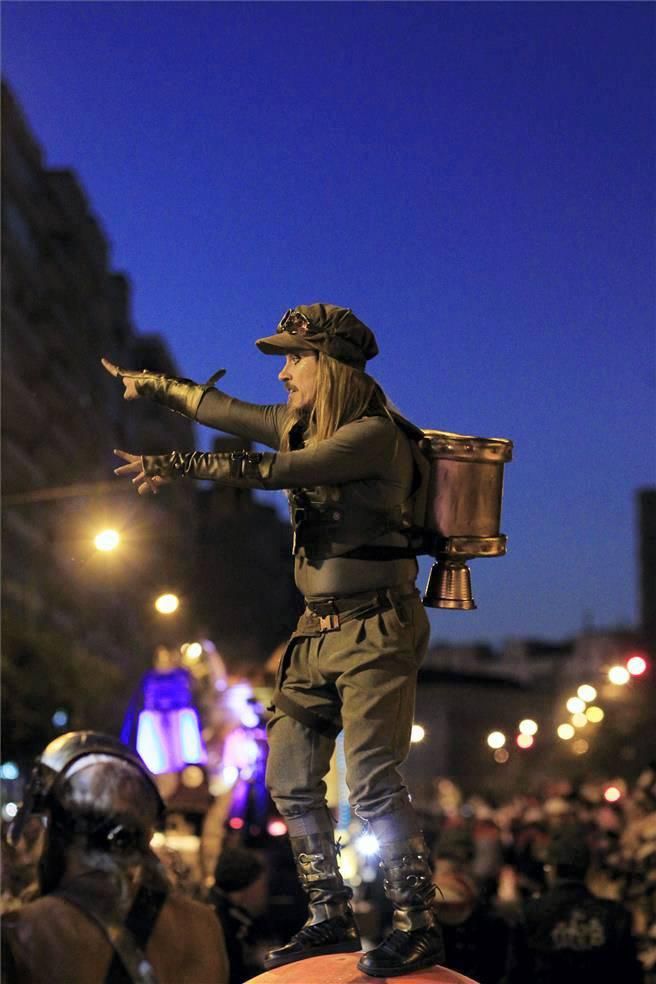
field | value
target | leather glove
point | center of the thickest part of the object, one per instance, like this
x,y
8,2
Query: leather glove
x,y
243,469
178,394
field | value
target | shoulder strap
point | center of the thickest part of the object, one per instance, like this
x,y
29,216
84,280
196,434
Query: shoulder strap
x,y
129,962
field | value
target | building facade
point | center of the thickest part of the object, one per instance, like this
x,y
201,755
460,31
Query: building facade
x,y
79,625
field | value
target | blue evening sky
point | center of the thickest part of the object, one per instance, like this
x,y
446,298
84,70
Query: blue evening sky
x,y
475,180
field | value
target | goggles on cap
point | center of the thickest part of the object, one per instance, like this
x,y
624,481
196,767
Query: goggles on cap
x,y
296,323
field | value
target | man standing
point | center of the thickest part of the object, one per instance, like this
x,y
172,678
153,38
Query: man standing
x,y
352,472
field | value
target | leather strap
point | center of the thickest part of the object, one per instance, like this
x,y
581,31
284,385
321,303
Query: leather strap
x,y
129,962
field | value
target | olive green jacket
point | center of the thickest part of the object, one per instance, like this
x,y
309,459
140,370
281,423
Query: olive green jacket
x,y
348,492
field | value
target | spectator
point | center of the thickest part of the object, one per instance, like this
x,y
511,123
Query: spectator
x,y
475,937
239,895
568,935
106,911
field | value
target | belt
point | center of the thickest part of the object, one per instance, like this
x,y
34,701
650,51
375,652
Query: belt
x,y
333,612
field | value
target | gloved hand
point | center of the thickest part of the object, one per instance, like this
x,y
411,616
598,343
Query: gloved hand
x,y
181,395
242,469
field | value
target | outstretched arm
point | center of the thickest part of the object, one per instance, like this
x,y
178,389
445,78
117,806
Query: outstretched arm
x,y
358,451
202,402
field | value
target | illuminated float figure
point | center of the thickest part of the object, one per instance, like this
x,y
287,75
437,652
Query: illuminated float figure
x,y
162,722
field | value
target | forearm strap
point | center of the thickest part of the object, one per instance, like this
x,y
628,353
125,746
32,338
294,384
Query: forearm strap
x,y
244,469
178,394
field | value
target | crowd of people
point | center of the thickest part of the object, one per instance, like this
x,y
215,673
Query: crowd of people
x,y
542,888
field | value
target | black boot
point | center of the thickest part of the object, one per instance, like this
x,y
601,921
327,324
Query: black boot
x,y
415,942
330,927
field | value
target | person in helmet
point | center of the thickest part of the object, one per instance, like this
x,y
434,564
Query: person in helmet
x,y
105,912
348,465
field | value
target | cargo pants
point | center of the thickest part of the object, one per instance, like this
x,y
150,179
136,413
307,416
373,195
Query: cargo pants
x,y
360,678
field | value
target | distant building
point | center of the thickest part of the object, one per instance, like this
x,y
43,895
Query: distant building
x,y
62,415
225,554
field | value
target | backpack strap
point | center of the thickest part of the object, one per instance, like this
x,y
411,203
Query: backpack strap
x,y
129,963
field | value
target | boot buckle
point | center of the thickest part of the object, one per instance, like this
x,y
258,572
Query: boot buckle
x,y
329,623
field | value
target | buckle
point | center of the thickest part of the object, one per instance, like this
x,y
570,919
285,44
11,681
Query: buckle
x,y
329,623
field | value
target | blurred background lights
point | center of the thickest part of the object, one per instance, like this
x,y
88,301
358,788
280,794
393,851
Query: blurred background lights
x,y
9,811
636,665
230,774
192,777
586,692
619,675
594,714
236,823
367,844
612,794
166,604
525,741
580,746
501,755
106,540
60,718
565,731
575,705
528,727
496,739
418,734
193,651
277,828
579,720
9,770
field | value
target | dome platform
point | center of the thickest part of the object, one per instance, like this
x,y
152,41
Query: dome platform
x,y
341,968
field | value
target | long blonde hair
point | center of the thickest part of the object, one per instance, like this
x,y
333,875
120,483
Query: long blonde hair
x,y
343,394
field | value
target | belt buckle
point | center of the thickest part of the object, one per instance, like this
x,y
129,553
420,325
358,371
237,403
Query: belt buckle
x,y
329,623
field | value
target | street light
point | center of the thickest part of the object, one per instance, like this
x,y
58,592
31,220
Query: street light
x,y
107,540
619,675
167,604
528,727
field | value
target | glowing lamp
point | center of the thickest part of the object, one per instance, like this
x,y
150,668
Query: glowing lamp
x,y
496,739
527,727
579,720
417,734
192,777
565,731
277,828
367,844
594,714
575,705
230,774
193,651
586,692
636,665
524,741
166,604
106,540
619,675
612,794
